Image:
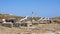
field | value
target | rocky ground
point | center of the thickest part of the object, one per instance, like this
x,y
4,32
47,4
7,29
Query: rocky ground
x,y
37,29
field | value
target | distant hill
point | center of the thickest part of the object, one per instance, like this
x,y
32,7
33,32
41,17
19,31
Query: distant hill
x,y
6,16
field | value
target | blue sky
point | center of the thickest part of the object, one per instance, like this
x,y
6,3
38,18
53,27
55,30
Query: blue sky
x,y
43,8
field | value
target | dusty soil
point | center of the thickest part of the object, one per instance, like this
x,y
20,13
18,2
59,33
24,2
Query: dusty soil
x,y
37,29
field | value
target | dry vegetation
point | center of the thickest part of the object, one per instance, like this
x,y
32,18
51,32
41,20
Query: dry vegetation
x,y
56,20
36,29
39,29
6,16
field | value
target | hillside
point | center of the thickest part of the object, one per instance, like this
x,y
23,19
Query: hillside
x,y
6,16
35,29
56,19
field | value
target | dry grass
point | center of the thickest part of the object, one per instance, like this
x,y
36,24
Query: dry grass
x,y
40,29
37,29
6,16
